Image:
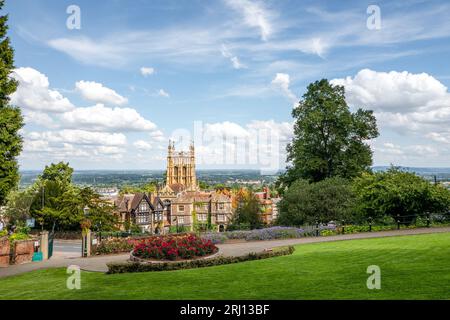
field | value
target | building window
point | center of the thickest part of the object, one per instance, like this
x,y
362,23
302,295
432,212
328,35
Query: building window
x,y
221,206
181,208
180,220
141,218
202,217
158,216
143,206
221,217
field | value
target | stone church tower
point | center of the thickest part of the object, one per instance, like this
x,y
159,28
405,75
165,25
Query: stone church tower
x,y
181,167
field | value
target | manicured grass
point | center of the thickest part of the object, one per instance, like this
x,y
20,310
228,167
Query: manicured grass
x,y
412,267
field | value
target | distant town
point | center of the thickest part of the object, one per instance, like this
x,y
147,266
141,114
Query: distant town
x,y
229,178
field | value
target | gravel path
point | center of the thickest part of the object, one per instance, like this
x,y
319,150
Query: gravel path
x,y
98,263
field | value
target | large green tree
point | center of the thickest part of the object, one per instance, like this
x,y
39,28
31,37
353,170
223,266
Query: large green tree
x,y
329,140
399,194
327,200
248,210
11,120
59,204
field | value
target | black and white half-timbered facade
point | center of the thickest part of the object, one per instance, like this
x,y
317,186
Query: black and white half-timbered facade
x,y
149,216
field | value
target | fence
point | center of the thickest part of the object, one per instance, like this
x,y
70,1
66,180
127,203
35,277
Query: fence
x,y
381,224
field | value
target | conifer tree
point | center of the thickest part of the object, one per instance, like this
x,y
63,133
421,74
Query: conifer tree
x,y
11,120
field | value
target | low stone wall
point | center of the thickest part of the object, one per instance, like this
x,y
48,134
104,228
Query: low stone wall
x,y
4,252
23,251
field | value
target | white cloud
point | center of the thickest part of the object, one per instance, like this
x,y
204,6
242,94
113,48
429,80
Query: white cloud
x,y
157,135
255,15
86,50
147,71
96,92
163,93
282,82
33,93
39,118
79,137
413,105
100,117
109,150
256,144
142,145
314,46
392,91
234,60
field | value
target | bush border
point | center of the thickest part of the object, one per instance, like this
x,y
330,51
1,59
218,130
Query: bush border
x,y
129,267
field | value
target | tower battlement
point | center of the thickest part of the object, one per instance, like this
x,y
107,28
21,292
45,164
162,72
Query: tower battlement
x,y
181,167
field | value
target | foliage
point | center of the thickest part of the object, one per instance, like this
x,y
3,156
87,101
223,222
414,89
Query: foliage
x,y
18,237
3,233
271,233
11,120
60,204
199,263
180,229
328,140
18,207
203,185
398,194
173,247
60,172
114,245
248,210
149,187
327,200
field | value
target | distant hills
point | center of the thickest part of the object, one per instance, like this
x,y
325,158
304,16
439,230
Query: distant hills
x,y
212,177
418,170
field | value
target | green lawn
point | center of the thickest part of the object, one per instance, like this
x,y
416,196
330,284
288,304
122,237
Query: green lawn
x,y
412,267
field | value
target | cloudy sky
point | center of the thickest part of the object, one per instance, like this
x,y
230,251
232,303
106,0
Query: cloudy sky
x,y
111,94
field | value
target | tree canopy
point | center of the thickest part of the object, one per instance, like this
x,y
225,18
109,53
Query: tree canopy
x,y
60,204
305,203
399,194
11,120
248,210
329,140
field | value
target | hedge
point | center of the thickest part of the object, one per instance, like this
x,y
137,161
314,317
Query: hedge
x,y
128,267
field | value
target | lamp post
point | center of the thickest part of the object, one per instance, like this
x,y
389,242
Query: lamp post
x,y
85,231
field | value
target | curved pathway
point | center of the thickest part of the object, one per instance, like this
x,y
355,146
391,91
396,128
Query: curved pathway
x,y
98,263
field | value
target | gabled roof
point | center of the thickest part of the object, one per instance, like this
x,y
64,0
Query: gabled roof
x,y
138,197
157,201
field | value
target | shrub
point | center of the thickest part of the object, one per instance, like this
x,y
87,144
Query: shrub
x,y
331,199
18,237
271,233
327,232
115,245
174,247
167,266
3,233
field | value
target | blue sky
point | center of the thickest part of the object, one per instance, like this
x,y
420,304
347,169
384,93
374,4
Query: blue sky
x,y
111,94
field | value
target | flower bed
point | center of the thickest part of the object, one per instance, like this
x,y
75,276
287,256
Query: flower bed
x,y
174,247
257,234
124,267
114,246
